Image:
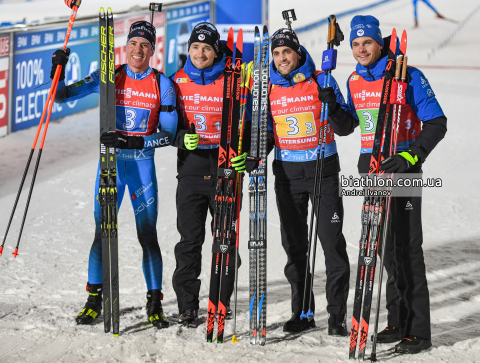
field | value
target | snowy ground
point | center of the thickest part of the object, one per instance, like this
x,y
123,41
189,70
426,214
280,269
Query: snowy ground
x,y
42,290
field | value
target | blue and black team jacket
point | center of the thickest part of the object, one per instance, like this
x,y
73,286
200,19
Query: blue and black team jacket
x,y
422,124
202,161
294,121
138,102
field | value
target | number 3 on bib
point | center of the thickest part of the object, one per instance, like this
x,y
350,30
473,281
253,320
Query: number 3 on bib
x,y
297,125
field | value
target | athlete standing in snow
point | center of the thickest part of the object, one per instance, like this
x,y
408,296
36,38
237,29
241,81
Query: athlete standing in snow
x,y
295,105
146,118
199,87
422,126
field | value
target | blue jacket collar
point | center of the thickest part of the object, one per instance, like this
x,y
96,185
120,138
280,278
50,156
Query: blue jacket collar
x,y
138,76
210,74
374,71
307,69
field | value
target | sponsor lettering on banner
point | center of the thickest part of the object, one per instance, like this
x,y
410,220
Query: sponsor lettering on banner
x,y
4,45
31,73
3,95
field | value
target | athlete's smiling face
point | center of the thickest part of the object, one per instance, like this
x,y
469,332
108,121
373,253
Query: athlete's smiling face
x,y
202,55
366,50
286,60
139,52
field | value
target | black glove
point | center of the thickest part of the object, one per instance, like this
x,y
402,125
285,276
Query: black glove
x,y
252,163
121,141
59,57
399,163
327,95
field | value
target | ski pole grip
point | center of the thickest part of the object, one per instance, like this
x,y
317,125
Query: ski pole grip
x,y
331,28
399,66
72,3
404,70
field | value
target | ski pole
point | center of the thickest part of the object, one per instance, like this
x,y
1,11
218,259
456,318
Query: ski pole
x,y
401,62
74,5
335,36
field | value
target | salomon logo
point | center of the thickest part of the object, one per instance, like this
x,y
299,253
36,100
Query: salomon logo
x,y
335,218
409,206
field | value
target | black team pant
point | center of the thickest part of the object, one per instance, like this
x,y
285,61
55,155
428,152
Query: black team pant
x,y
292,202
195,198
408,301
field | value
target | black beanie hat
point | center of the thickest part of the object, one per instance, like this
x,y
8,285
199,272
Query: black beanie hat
x,y
286,38
205,33
143,29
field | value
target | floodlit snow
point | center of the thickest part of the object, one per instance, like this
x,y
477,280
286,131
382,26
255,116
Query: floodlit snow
x,y
42,289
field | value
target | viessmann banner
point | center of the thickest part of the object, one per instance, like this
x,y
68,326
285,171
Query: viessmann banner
x,y
32,64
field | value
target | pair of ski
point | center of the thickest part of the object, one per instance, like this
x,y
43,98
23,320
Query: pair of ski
x,y
225,210
376,210
107,192
257,191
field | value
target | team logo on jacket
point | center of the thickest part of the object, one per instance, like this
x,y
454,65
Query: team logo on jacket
x,y
299,77
354,77
201,37
285,154
335,218
280,41
360,32
181,80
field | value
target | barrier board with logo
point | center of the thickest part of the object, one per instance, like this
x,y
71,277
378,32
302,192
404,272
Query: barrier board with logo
x,y
4,75
32,64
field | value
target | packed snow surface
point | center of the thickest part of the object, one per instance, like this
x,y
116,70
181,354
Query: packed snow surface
x,y
42,290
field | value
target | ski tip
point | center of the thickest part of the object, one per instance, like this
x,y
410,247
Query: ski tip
x,y
257,31
230,39
115,335
265,30
234,339
1,250
15,253
109,12
239,44
102,11
240,36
